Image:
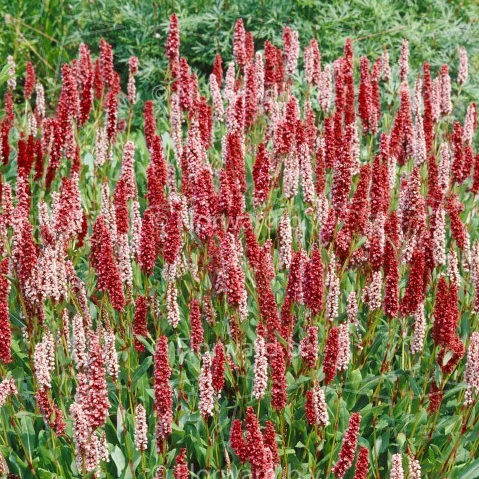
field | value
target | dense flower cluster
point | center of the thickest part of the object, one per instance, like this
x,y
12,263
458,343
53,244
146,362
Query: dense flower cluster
x,y
348,447
397,471
139,322
7,388
362,464
181,469
315,407
257,447
104,264
205,387
5,331
141,429
163,392
269,253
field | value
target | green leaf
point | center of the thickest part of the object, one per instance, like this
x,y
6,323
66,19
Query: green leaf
x,y
140,372
28,434
118,459
119,423
471,471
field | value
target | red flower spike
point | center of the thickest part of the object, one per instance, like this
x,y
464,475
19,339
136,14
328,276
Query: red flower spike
x,y
121,207
29,81
163,392
414,294
331,355
104,264
427,100
313,282
255,445
453,208
218,69
5,329
97,401
181,468
362,464
391,293
237,440
366,107
269,438
239,38
278,375
196,328
147,255
261,175
173,241
294,288
348,447
150,124
218,367
139,322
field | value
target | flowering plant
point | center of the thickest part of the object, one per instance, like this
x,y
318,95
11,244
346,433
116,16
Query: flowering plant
x,y
276,276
